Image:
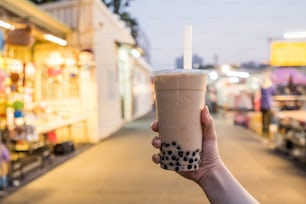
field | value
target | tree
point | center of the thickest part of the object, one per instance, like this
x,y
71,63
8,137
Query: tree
x,y
131,23
118,7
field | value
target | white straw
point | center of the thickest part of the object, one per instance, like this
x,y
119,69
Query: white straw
x,y
188,47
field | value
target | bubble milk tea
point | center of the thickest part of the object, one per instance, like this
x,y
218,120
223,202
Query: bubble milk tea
x,y
180,96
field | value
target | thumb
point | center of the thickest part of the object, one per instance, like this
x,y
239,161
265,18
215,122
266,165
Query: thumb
x,y
208,128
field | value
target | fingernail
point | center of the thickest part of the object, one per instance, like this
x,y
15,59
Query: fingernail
x,y
156,158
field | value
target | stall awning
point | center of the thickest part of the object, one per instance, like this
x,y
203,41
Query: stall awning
x,y
28,10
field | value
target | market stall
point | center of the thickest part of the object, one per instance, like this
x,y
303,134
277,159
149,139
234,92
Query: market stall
x,y
291,134
39,89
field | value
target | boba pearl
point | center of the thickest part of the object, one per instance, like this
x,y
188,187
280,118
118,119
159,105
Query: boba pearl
x,y
174,158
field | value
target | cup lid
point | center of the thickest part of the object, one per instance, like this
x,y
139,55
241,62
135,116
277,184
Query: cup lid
x,y
178,71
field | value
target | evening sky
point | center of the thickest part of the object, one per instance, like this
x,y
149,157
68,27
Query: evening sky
x,y
235,30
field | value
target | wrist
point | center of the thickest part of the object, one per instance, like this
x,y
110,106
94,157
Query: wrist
x,y
209,169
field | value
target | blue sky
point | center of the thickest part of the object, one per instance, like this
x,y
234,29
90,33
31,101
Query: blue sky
x,y
236,30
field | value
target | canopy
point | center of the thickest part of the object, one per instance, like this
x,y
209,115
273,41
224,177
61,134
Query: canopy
x,y
281,76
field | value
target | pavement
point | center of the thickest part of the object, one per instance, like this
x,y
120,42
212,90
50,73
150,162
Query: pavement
x,y
119,170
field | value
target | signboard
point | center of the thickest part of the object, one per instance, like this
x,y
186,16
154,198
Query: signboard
x,y
288,54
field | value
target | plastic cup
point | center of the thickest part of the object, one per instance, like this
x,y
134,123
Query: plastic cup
x,y
180,96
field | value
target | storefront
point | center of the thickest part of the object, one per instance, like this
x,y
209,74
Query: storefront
x,y
119,90
40,94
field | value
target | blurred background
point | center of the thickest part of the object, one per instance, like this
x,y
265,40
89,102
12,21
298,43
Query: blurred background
x,y
75,75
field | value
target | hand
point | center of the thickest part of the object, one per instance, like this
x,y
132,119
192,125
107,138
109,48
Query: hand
x,y
210,155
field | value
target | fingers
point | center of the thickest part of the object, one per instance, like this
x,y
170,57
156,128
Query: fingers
x,y
156,142
154,126
208,125
156,158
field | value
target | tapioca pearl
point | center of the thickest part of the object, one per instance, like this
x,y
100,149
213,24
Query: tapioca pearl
x,y
187,153
189,167
178,147
174,157
169,152
166,158
173,143
193,154
180,153
178,164
177,169
162,158
171,164
165,166
196,159
185,159
190,161
167,145
195,166
197,150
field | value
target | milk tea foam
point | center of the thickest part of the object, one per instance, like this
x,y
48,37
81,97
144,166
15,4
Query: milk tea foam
x,y
180,97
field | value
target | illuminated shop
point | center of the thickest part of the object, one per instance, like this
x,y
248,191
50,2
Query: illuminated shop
x,y
39,86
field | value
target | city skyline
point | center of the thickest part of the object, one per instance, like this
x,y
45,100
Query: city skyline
x,y
234,30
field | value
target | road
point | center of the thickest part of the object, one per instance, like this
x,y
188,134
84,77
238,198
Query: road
x,y
119,170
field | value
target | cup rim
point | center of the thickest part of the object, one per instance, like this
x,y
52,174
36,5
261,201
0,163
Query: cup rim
x,y
176,71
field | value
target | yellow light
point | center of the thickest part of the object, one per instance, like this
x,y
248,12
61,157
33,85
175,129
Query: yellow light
x,y
55,59
30,69
6,25
135,53
55,39
225,68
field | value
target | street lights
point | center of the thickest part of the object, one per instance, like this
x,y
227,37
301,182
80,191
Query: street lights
x,y
294,35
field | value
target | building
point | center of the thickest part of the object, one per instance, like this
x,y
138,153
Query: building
x,y
197,62
120,88
91,73
76,78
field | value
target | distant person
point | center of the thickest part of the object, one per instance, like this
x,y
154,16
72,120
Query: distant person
x,y
219,185
291,88
267,92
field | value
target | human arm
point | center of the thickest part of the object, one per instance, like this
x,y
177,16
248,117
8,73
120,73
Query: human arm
x,y
219,185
